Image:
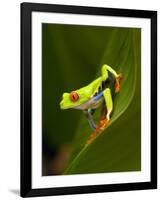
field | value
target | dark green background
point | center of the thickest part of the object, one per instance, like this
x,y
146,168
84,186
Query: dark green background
x,y
72,57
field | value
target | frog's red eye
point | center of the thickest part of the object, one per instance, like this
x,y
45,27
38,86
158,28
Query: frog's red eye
x,y
74,96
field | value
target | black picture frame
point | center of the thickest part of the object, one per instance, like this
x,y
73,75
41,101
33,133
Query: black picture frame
x,y
26,103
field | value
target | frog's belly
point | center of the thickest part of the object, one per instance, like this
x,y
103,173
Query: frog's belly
x,y
92,103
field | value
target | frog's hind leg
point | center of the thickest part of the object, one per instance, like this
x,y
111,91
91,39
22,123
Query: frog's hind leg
x,y
88,113
103,111
106,112
109,107
118,77
109,102
105,117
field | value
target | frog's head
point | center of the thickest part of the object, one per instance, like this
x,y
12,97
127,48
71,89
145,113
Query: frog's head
x,y
70,100
75,98
80,96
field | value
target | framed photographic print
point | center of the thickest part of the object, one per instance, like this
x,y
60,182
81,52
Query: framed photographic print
x,y
88,99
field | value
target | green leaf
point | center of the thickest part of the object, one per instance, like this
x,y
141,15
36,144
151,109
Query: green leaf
x,y
118,148
72,58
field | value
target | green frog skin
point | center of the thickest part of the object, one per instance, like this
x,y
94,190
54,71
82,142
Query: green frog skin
x,y
92,96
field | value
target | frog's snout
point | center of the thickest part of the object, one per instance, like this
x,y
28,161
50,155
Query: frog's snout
x,y
62,103
62,106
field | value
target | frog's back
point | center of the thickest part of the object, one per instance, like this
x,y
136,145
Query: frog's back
x,y
91,87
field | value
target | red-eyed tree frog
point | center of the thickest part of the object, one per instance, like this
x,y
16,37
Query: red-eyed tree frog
x,y
92,96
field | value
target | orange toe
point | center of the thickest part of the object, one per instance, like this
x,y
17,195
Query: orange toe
x,y
117,83
104,123
117,87
100,127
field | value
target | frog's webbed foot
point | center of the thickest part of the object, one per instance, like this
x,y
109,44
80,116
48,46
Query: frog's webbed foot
x,y
99,128
103,124
117,83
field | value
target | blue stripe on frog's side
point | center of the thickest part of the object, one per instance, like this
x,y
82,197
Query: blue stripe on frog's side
x,y
98,96
94,102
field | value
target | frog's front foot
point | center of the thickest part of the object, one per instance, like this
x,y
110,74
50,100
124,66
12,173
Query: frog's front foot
x,y
99,128
103,124
117,83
